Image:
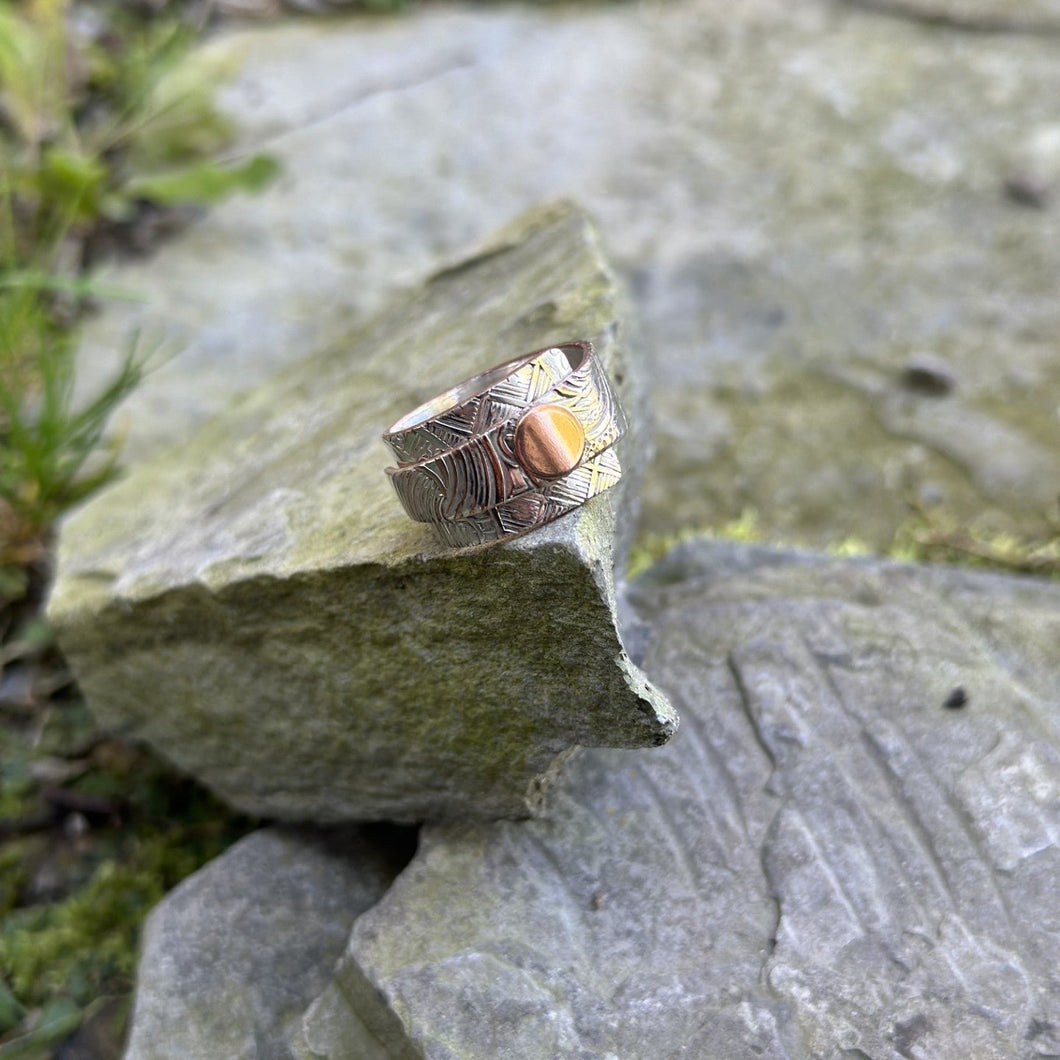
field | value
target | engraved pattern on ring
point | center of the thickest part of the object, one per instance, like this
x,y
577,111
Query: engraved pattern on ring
x,y
536,508
482,472
504,399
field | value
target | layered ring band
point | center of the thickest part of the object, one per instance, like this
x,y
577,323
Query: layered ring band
x,y
510,449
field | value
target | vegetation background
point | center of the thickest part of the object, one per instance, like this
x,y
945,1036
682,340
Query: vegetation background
x,y
109,141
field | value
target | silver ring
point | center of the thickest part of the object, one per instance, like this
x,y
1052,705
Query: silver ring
x,y
511,448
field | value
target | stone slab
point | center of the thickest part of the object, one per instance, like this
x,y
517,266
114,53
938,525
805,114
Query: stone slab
x,y
231,957
796,190
257,606
834,858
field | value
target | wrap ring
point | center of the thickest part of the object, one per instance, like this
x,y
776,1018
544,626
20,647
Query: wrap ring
x,y
509,449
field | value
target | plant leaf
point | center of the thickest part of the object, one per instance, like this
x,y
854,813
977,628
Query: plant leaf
x,y
72,181
11,1011
206,182
58,1019
172,117
26,279
33,70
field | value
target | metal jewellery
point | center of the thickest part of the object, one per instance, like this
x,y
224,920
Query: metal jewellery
x,y
509,449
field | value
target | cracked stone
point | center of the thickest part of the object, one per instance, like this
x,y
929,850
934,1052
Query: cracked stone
x,y
826,861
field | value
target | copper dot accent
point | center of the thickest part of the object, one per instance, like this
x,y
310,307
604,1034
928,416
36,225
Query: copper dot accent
x,y
549,441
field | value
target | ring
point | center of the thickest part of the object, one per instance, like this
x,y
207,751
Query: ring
x,y
510,449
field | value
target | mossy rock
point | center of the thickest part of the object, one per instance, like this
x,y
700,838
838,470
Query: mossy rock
x,y
257,606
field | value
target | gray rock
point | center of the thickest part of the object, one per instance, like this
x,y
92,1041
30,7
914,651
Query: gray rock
x,y
1040,17
257,606
828,861
232,956
796,190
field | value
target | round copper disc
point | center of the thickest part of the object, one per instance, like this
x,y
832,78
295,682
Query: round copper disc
x,y
549,441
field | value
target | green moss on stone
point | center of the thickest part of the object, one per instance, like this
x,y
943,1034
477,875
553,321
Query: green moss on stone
x,y
649,547
74,887
922,538
76,946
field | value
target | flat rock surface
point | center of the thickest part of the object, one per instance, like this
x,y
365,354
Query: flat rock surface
x,y
257,606
231,957
806,196
839,855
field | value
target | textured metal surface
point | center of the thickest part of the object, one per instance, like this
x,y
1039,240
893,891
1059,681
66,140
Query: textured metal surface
x,y
533,509
464,468
484,472
474,407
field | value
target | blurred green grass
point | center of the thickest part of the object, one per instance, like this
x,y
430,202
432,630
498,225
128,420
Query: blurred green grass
x,y
105,121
